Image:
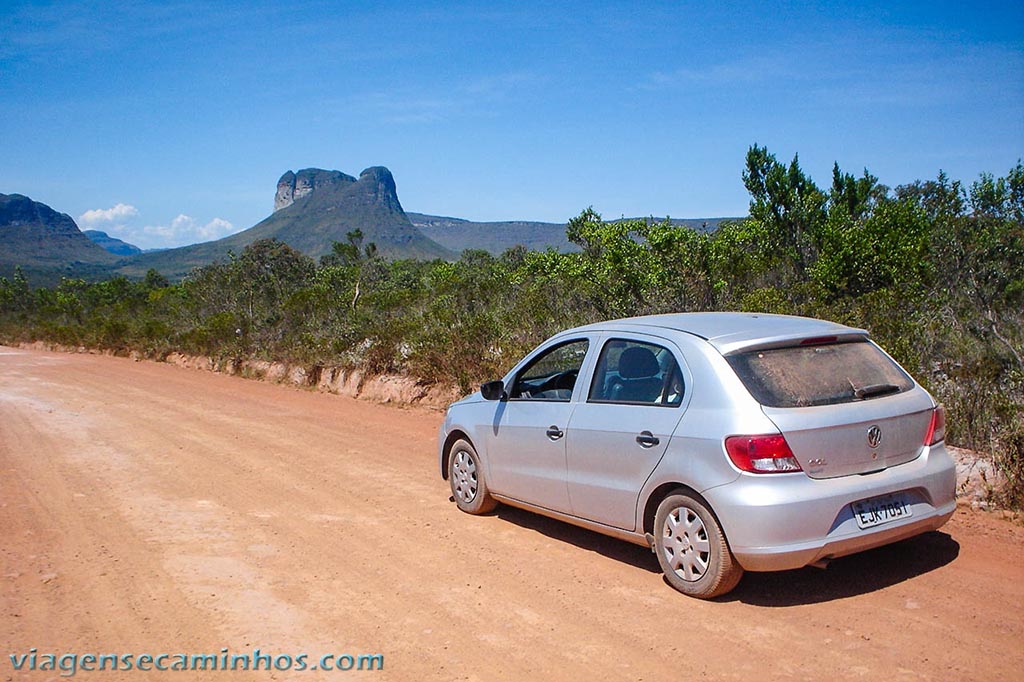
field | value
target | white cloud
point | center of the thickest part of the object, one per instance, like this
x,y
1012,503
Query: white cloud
x,y
185,229
216,228
121,221
114,217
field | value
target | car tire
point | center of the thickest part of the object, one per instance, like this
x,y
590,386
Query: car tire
x,y
466,478
692,549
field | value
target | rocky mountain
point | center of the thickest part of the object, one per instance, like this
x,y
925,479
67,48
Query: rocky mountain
x,y
313,208
112,244
45,243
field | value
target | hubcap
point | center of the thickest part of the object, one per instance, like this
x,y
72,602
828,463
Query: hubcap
x,y
685,544
464,476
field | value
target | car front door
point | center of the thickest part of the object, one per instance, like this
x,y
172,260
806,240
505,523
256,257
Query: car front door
x,y
526,441
620,431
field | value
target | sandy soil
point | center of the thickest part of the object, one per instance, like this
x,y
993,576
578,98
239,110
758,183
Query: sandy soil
x,y
149,508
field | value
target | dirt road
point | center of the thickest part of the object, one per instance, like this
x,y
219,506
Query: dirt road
x,y
148,508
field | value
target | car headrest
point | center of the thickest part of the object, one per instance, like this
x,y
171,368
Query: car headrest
x,y
638,363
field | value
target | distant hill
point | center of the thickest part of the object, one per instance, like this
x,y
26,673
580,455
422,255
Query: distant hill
x,y
112,244
699,224
45,243
458,234
496,237
313,208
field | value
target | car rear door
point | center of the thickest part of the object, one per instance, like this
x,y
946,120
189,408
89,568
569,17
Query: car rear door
x,y
617,435
844,408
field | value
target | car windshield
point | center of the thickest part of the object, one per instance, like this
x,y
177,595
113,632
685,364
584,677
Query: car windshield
x,y
808,375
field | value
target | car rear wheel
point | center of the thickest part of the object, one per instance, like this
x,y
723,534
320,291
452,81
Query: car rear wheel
x,y
692,549
466,478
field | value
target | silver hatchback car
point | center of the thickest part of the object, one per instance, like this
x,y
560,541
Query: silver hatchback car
x,y
727,442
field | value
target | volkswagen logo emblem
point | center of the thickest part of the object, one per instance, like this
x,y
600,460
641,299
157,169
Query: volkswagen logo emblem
x,y
874,436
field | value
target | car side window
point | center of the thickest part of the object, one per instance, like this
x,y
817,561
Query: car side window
x,y
551,375
636,373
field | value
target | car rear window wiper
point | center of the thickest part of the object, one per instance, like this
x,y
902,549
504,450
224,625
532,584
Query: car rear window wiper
x,y
874,390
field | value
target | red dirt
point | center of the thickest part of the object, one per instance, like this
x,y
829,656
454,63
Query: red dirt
x,y
149,508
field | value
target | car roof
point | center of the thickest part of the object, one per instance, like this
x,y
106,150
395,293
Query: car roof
x,y
730,332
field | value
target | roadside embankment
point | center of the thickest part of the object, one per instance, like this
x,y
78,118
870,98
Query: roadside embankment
x,y
381,388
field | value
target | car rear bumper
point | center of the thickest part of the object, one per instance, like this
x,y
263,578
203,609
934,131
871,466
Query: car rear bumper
x,y
786,521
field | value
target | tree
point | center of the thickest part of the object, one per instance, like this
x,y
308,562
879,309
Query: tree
x,y
856,195
615,269
352,255
15,295
266,273
787,202
940,199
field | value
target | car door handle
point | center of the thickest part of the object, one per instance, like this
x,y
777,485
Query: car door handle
x,y
647,439
554,433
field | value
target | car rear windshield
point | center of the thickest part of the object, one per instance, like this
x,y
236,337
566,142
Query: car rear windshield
x,y
826,374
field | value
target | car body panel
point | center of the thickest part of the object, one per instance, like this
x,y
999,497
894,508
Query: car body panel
x,y
730,332
785,521
833,440
607,467
524,462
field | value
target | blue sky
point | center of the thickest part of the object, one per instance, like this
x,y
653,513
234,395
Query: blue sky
x,y
168,123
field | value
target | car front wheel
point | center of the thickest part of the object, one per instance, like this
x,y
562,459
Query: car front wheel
x,y
692,549
466,477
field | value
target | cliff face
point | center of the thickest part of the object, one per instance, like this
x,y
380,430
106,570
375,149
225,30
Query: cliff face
x,y
294,186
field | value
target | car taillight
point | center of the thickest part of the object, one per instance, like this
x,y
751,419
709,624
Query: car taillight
x,y
761,454
937,427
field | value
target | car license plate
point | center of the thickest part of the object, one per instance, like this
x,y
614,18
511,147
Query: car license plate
x,y
875,511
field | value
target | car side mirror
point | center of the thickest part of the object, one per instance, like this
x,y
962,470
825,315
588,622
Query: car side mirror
x,y
493,390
